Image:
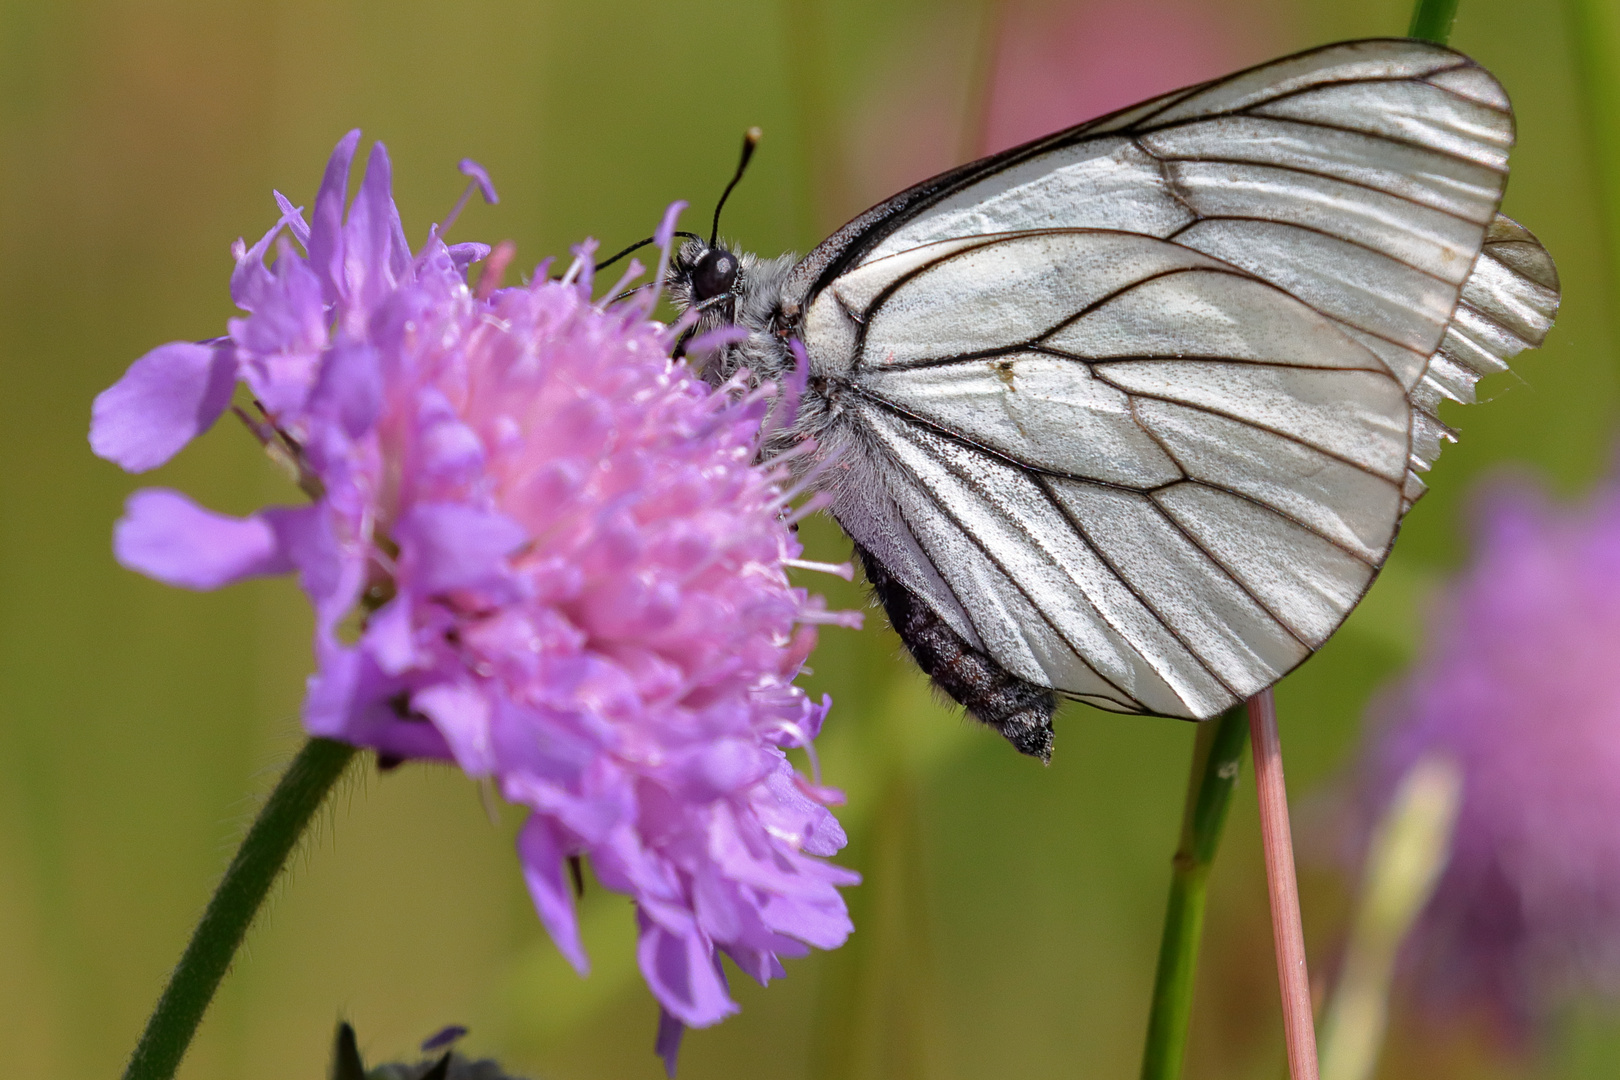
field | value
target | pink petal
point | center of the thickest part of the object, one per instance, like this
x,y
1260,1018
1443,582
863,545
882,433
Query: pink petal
x,y
390,637
462,716
542,856
330,572
351,699
375,253
684,975
326,225
464,255
350,387
294,217
331,692
251,277
452,546
166,536
668,1044
167,398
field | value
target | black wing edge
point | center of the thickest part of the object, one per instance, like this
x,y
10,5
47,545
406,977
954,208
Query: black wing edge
x,y
861,234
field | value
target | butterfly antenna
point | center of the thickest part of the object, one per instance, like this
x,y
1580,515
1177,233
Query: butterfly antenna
x,y
638,245
750,140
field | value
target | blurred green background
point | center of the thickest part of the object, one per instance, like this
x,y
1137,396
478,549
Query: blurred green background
x,y
1010,914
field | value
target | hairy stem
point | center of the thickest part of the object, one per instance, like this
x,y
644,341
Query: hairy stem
x,y
230,911
1287,931
1217,758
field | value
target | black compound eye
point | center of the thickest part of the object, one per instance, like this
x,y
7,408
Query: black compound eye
x,y
714,274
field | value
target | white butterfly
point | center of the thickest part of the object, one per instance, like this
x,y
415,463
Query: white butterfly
x,y
1132,413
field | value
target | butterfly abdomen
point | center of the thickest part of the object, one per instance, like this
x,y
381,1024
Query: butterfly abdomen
x,y
1020,710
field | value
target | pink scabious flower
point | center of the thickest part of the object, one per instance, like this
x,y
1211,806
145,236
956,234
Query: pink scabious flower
x,y
536,546
1520,685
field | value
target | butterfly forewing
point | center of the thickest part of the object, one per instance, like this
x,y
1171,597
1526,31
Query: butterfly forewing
x,y
1134,408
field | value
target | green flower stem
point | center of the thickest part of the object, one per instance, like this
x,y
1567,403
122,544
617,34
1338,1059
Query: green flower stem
x,y
1217,757
230,912
1432,19
1594,35
1405,858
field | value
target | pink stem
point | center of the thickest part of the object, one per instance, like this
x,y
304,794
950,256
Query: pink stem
x,y
1285,923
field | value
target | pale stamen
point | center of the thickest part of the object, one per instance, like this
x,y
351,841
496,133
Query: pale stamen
x,y
844,570
479,182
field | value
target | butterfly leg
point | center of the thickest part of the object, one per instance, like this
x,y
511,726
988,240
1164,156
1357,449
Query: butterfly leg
x,y
1020,710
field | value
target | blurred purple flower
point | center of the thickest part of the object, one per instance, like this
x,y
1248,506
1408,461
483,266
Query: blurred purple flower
x,y
1520,685
537,547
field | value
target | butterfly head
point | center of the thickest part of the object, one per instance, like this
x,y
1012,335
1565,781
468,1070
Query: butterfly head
x,y
716,287
705,277
713,276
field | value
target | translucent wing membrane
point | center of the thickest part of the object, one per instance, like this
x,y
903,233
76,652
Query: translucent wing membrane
x,y
1507,306
1136,408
